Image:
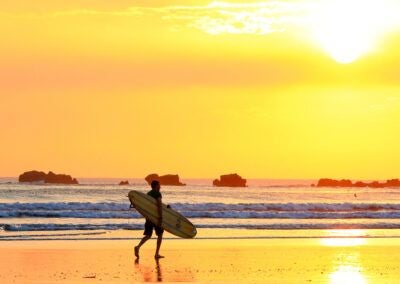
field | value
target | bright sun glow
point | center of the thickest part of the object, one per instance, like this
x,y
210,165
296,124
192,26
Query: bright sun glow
x,y
345,29
349,29
347,274
351,233
344,238
343,242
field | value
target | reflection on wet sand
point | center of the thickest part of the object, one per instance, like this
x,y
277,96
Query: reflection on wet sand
x,y
145,271
155,274
347,274
344,238
347,267
343,242
158,270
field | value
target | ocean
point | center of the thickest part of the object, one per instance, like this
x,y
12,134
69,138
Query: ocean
x,y
99,208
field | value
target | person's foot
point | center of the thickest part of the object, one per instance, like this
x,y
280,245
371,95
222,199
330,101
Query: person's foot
x,y
158,256
137,252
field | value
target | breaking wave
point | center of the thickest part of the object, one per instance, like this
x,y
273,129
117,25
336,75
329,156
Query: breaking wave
x,y
114,210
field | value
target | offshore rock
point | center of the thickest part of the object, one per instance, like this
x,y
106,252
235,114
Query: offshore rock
x,y
165,179
348,183
50,177
230,180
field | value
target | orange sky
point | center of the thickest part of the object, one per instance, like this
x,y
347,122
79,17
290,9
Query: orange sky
x,y
271,89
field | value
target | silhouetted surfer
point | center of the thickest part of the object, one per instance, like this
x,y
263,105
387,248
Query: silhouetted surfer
x,y
149,226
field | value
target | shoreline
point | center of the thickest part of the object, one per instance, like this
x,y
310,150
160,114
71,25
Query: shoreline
x,y
203,234
316,260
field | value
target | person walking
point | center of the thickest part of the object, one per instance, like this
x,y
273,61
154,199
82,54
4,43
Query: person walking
x,y
150,226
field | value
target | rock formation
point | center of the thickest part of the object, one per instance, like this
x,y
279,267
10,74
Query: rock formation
x,y
334,183
230,180
165,179
32,176
36,176
124,182
348,183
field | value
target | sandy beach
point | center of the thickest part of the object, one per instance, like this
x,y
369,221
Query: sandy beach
x,y
273,260
271,127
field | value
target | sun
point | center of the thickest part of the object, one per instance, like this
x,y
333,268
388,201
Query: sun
x,y
347,30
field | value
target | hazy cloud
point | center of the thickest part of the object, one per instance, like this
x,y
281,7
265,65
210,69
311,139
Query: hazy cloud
x,y
215,18
223,17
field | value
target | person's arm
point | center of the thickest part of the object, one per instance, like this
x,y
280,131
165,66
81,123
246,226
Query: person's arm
x,y
159,207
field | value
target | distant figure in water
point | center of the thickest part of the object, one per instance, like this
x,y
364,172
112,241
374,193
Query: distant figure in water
x,y
355,195
149,226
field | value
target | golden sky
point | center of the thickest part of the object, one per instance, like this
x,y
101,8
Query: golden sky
x,y
268,89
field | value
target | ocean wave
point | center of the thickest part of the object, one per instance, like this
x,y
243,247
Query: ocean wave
x,y
113,210
54,206
226,214
285,207
70,214
127,226
67,227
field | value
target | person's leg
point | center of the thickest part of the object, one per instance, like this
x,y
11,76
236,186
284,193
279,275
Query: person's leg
x,y
159,241
159,232
148,230
142,241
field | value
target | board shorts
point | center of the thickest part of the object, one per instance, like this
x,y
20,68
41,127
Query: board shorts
x,y
148,229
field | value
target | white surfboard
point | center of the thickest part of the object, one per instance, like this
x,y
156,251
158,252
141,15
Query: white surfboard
x,y
173,222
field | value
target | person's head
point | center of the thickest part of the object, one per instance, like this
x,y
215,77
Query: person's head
x,y
155,184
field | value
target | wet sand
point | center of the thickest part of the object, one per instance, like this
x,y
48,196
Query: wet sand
x,y
316,260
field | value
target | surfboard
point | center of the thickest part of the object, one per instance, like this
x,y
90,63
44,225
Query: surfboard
x,y
173,222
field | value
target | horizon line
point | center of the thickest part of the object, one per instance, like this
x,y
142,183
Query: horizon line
x,y
211,178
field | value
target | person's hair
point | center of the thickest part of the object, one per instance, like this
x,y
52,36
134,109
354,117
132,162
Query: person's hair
x,y
154,184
